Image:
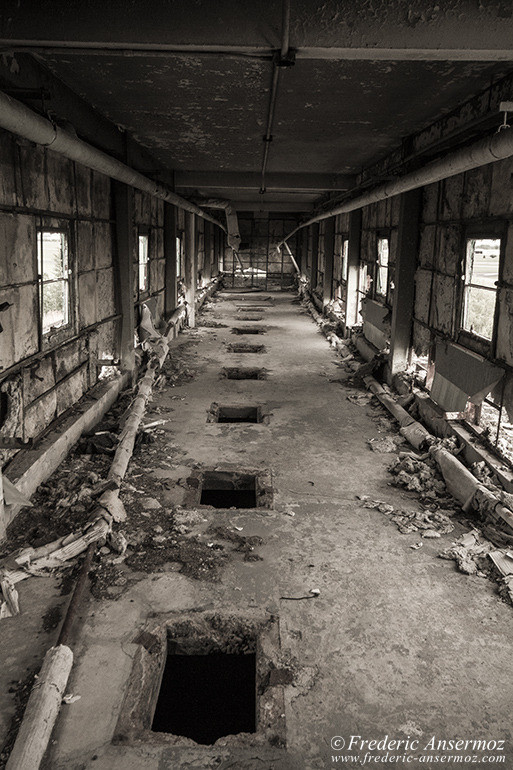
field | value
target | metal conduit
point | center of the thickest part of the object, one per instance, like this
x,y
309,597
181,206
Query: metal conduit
x,y
19,119
284,49
488,150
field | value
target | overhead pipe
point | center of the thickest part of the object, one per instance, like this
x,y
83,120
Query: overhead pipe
x,y
488,150
19,119
279,61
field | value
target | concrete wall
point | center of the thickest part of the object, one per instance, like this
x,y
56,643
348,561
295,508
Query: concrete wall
x,y
42,376
41,189
480,198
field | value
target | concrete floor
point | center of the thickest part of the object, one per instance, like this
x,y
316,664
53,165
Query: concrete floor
x,y
397,643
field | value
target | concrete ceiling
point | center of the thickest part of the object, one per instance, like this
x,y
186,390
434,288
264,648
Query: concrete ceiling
x,y
191,80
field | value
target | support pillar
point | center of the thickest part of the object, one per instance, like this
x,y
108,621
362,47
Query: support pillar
x,y
170,255
207,239
3,523
191,269
329,248
124,272
315,256
353,269
404,281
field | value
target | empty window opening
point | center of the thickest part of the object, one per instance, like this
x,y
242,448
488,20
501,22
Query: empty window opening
x,y
54,278
206,697
143,256
481,274
382,268
243,347
248,330
243,373
224,489
229,414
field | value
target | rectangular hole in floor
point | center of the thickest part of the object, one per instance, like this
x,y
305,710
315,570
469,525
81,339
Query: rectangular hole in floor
x,y
225,489
206,697
243,373
248,330
239,414
244,347
245,309
253,317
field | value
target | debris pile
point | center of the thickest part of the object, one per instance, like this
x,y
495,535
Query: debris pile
x,y
470,552
430,523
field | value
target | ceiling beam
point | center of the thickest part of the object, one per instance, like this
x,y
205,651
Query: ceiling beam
x,y
305,53
236,180
289,208
458,30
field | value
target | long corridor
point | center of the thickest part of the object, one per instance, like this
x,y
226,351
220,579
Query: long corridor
x,y
357,633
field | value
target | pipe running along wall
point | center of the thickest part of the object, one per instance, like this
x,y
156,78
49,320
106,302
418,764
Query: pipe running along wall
x,y
19,119
488,150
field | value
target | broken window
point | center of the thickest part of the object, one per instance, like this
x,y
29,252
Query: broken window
x,y
143,257
340,266
178,256
480,277
54,277
381,285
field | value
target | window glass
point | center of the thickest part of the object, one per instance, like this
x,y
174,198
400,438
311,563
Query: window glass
x,y
54,275
143,263
480,291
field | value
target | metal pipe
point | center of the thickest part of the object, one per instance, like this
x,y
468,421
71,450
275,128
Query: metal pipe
x,y
488,150
284,49
19,119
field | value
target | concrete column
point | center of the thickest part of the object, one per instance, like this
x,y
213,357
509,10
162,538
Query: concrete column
x,y
170,255
404,281
190,269
329,248
208,249
3,523
124,272
353,267
315,255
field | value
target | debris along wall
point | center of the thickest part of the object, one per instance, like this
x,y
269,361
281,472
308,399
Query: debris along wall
x,y
149,281
377,262
56,325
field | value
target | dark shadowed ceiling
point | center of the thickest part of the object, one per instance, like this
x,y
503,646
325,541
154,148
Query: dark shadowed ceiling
x,y
191,80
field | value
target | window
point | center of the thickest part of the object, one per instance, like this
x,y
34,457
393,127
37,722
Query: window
x,y
480,277
381,284
54,278
143,251
178,257
344,257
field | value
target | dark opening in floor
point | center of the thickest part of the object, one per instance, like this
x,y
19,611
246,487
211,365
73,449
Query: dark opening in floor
x,y
248,330
238,414
225,489
243,373
244,347
205,697
250,309
253,318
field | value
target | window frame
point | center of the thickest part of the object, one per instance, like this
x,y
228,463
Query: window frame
x,y
483,231
382,235
143,232
56,334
